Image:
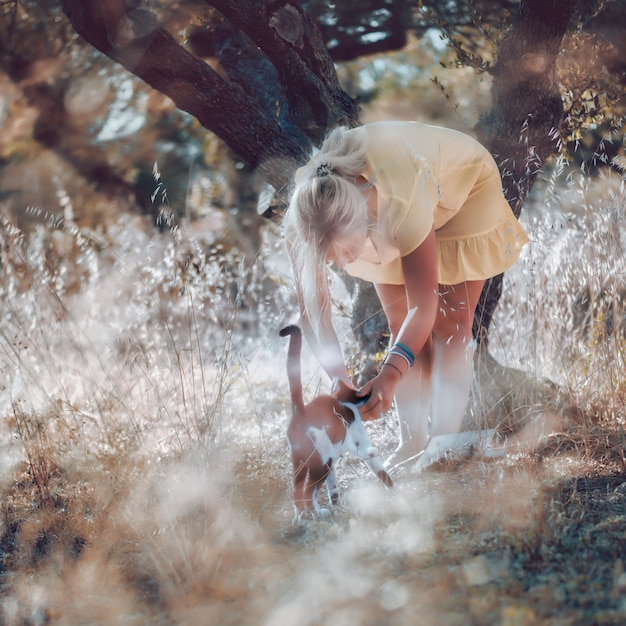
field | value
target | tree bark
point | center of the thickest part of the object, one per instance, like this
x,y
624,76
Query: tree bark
x,y
135,39
522,128
294,45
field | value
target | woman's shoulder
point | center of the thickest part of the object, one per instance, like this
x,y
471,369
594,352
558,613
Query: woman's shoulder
x,y
397,151
406,129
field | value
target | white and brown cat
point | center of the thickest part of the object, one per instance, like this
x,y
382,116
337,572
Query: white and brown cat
x,y
320,433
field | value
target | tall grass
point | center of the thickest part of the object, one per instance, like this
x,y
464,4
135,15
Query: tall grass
x,y
144,471
125,362
563,316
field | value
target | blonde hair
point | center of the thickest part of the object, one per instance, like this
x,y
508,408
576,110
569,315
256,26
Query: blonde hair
x,y
326,204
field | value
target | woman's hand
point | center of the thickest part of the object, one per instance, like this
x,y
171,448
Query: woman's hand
x,y
380,391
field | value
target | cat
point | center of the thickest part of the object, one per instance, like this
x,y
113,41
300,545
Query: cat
x,y
320,433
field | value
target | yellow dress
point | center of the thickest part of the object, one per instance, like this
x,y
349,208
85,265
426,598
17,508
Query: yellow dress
x,y
426,177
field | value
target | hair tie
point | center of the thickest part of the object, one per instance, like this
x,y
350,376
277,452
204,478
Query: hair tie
x,y
324,169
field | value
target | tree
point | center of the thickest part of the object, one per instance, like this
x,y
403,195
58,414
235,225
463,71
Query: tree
x,y
277,91
522,128
268,139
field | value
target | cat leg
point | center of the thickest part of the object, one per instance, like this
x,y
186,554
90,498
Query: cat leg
x,y
377,468
364,450
302,498
333,486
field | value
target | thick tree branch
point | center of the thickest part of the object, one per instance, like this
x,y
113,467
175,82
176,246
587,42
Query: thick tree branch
x,y
135,39
294,45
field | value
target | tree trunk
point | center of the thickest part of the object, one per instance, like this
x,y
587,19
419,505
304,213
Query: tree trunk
x,y
521,131
522,128
294,45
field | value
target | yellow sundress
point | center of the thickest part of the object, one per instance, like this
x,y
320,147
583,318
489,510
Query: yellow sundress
x,y
426,177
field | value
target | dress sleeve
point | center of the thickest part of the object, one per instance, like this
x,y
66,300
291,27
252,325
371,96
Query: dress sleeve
x,y
411,217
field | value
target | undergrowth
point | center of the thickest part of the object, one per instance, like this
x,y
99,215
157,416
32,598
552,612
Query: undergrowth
x,y
563,316
144,471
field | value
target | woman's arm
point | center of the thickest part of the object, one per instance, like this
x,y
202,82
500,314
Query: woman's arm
x,y
422,294
421,285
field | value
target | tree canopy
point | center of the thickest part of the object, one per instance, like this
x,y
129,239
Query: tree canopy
x,y
276,68
272,63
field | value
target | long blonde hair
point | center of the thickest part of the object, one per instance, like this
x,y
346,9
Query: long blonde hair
x,y
326,204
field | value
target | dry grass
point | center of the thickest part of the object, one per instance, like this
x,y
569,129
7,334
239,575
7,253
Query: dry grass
x,y
145,476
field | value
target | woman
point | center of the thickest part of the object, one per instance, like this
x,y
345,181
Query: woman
x,y
418,211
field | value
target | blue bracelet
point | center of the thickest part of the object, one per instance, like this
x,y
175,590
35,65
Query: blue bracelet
x,y
399,353
408,352
399,349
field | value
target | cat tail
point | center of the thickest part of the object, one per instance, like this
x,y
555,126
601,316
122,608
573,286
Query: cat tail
x,y
294,374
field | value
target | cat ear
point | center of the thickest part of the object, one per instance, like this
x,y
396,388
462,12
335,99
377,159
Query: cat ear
x,y
343,393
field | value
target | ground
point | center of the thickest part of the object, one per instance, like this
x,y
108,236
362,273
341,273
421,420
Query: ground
x,y
532,537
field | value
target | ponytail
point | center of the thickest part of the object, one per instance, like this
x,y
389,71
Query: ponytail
x,y
326,204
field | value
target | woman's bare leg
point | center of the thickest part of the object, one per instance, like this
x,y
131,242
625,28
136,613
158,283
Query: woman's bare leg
x,y
453,351
413,401
438,384
413,393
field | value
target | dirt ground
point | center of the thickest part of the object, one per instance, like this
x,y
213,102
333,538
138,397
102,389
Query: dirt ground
x,y
528,538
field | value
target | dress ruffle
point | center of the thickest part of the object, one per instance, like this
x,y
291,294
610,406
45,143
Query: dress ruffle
x,y
460,258
481,256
